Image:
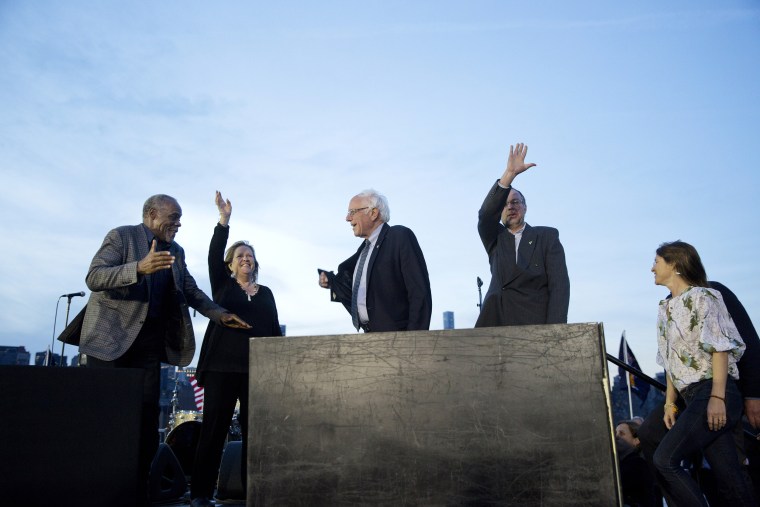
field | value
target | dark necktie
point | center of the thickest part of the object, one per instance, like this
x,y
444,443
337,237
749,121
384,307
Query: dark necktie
x,y
357,281
159,285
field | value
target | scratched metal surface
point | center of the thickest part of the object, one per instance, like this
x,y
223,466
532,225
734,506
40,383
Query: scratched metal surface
x,y
492,416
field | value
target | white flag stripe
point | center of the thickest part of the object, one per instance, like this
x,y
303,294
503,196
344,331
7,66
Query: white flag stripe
x,y
199,392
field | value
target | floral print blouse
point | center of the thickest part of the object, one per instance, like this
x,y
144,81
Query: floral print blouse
x,y
690,327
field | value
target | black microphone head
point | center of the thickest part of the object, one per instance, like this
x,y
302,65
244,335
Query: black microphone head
x,y
73,294
480,282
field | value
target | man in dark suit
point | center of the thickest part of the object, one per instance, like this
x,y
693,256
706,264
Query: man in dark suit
x,y
529,281
137,315
385,284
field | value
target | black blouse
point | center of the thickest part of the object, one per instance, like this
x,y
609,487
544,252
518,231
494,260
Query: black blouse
x,y
225,349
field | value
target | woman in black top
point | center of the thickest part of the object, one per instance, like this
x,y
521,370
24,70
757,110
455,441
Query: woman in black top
x,y
223,364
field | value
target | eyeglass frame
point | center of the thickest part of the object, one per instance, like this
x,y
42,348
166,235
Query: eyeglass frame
x,y
353,211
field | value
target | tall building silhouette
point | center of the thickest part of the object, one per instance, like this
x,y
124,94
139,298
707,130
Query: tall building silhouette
x,y
448,320
14,355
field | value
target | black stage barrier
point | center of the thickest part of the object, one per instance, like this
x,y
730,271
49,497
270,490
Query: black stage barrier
x,y
515,416
69,436
230,484
167,480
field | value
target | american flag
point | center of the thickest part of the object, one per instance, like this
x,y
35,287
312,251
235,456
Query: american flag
x,y
198,390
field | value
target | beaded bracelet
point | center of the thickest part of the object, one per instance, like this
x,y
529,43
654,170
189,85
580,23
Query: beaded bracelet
x,y
675,408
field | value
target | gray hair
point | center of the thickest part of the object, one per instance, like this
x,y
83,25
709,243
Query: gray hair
x,y
155,201
377,200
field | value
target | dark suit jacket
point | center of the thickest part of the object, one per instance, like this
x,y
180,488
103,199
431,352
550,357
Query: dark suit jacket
x,y
398,293
533,290
118,304
749,364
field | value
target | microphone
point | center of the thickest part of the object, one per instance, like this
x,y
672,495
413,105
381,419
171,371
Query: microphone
x,y
480,282
73,294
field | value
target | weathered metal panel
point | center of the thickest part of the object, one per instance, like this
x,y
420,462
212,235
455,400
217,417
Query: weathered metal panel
x,y
489,416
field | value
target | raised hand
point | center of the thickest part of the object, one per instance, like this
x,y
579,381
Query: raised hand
x,y
224,207
154,261
515,163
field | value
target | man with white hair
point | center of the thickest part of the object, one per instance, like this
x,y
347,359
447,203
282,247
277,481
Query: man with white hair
x,y
385,284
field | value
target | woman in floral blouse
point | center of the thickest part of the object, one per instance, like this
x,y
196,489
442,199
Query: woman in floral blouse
x,y
699,346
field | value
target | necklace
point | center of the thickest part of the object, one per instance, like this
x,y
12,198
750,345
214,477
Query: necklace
x,y
250,288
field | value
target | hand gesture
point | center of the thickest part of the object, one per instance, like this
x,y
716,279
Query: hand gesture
x,y
224,207
669,418
716,413
324,282
233,321
752,410
154,261
515,163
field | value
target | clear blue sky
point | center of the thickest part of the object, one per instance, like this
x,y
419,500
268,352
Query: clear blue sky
x,y
642,117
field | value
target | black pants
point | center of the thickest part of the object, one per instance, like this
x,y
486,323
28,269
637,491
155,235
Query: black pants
x,y
145,353
222,390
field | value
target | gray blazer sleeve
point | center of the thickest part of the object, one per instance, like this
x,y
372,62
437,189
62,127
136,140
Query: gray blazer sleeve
x,y
194,296
110,269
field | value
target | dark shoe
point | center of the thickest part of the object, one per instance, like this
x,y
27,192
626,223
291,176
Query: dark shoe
x,y
201,502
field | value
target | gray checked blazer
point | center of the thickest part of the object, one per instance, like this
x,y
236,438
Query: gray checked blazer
x,y
535,288
118,304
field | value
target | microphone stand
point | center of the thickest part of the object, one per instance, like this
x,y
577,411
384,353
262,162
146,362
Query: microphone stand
x,y
480,295
68,307
49,355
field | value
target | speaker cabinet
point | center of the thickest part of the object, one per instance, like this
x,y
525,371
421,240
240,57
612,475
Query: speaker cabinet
x,y
167,480
69,436
230,484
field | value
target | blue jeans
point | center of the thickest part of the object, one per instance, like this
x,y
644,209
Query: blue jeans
x,y
689,434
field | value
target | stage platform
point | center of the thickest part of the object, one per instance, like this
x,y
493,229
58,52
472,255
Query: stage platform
x,y
186,501
515,416
490,416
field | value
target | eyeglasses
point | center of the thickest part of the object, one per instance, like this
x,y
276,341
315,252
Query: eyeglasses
x,y
514,202
354,211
